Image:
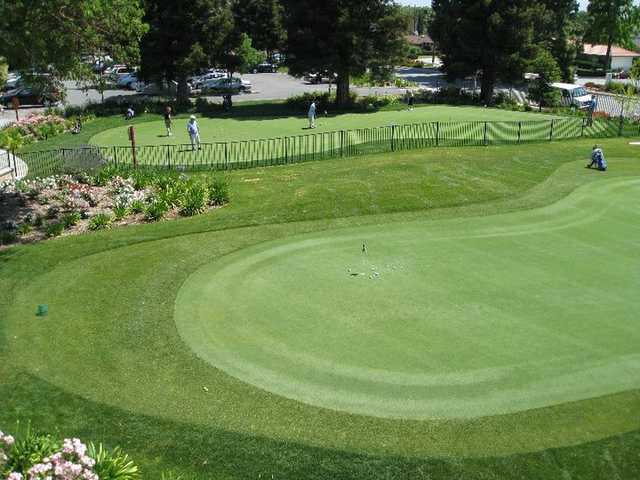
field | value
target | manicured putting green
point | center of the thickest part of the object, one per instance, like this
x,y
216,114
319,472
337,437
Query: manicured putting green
x,y
457,318
239,128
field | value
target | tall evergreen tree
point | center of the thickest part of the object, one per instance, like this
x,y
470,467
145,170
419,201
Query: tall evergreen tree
x,y
613,22
263,21
558,31
184,36
493,37
343,37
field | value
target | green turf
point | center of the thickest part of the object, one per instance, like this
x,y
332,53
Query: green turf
x,y
449,319
247,128
108,363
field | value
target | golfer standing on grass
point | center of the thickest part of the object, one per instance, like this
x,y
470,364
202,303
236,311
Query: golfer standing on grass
x,y
312,115
194,132
168,120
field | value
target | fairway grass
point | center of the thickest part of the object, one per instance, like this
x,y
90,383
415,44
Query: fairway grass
x,y
554,244
241,128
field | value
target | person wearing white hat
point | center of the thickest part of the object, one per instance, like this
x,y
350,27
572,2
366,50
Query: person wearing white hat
x,y
194,132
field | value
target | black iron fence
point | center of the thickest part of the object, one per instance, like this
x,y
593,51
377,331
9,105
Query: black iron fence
x,y
319,146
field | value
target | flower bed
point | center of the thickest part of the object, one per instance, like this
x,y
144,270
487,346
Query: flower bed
x,y
34,128
33,210
41,457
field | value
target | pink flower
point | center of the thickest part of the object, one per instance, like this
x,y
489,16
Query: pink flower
x,y
15,476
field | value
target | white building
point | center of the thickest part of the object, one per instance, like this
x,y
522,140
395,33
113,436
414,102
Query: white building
x,y
621,59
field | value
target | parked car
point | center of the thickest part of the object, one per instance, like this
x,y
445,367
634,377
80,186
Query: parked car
x,y
128,81
198,81
573,95
13,81
231,86
117,71
30,96
153,89
316,78
265,67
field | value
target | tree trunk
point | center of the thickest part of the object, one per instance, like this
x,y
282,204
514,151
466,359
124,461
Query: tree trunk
x,y
342,89
182,95
488,85
609,47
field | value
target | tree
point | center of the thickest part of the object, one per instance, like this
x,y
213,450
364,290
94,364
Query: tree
x,y
346,38
184,36
53,36
490,37
417,19
558,30
547,71
241,56
4,72
263,21
613,22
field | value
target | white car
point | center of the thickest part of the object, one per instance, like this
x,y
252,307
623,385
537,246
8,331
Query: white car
x,y
574,95
222,86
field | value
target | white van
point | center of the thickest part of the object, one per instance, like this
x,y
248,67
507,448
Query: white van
x,y
573,95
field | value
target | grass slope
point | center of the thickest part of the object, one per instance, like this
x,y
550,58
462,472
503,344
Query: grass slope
x,y
108,363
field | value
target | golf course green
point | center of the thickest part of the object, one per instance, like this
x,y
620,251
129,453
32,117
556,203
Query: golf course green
x,y
241,128
425,320
488,329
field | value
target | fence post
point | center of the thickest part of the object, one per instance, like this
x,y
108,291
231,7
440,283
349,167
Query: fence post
x,y
15,163
486,140
621,119
551,131
169,156
437,134
393,138
115,154
519,131
582,131
342,143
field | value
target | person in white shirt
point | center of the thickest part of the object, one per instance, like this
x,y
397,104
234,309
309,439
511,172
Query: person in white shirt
x,y
312,115
194,132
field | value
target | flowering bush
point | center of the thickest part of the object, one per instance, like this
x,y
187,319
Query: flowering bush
x,y
33,128
42,458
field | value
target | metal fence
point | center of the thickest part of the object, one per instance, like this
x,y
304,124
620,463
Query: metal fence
x,y
617,105
319,146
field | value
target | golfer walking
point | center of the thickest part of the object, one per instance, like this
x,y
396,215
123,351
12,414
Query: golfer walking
x,y
194,132
312,115
168,120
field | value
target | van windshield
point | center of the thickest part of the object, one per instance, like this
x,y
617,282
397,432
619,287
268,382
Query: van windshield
x,y
579,92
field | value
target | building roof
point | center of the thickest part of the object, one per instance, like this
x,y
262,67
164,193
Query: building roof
x,y
601,51
419,39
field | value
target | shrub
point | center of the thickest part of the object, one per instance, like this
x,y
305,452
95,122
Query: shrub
x,y
137,206
120,211
71,219
28,451
194,200
52,212
54,229
156,210
218,191
102,221
38,221
112,465
25,229
7,237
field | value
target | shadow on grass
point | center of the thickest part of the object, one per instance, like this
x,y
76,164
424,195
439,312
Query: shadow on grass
x,y
202,452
